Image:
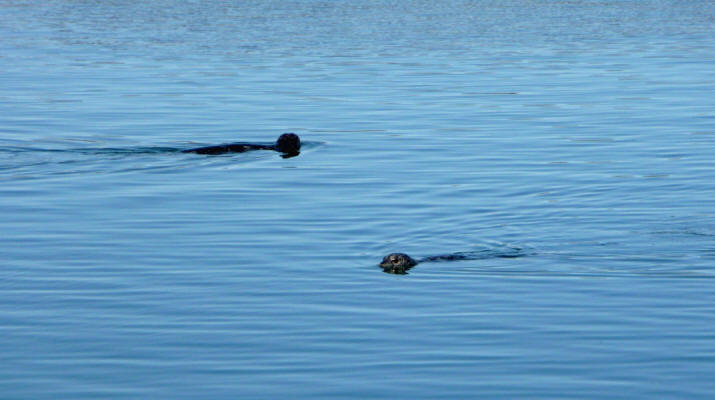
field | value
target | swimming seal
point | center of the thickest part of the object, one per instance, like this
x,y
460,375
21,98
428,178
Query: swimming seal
x,y
287,143
399,263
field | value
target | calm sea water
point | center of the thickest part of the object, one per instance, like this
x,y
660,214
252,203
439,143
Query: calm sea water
x,y
581,132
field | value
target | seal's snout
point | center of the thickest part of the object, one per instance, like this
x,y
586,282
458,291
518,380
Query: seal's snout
x,y
288,143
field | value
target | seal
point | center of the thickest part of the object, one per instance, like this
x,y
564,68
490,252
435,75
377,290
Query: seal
x,y
287,143
399,263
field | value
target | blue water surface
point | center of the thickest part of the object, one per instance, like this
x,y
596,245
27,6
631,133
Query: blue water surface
x,y
581,133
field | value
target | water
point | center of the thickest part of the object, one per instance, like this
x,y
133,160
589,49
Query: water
x,y
580,132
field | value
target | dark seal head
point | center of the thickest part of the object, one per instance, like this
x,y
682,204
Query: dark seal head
x,y
288,143
397,263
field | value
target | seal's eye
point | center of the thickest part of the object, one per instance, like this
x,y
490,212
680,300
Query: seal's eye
x,y
395,260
